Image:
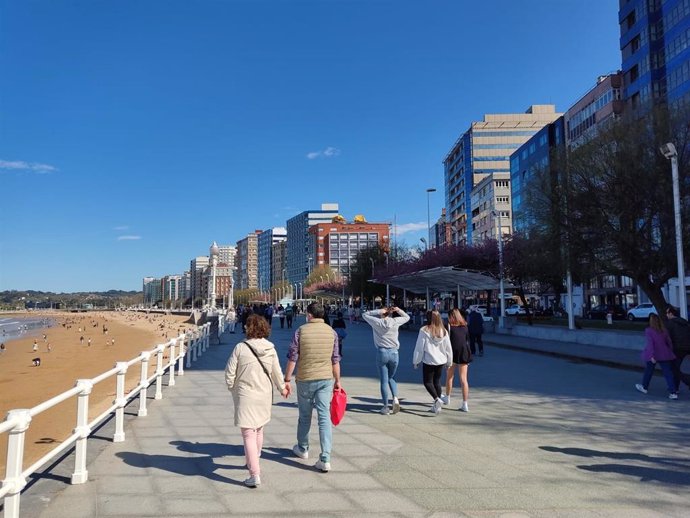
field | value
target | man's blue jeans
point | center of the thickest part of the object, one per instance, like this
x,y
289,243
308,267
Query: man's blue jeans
x,y
315,394
387,364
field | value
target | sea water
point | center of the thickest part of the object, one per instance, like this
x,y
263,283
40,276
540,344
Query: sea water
x,y
16,327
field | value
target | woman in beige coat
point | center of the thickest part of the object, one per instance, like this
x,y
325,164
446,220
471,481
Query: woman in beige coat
x,y
251,373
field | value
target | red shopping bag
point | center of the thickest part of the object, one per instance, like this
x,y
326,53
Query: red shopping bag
x,y
338,404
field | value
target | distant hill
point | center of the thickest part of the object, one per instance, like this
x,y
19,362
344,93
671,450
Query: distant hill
x,y
15,299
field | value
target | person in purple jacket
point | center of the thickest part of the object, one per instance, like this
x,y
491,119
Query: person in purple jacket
x,y
658,349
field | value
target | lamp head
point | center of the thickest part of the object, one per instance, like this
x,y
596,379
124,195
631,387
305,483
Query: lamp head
x,y
669,150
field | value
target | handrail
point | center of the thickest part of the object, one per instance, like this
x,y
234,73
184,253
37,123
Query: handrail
x,y
18,421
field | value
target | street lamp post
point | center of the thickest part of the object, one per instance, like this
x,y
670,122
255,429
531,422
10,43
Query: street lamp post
x,y
428,213
501,321
426,245
388,288
301,290
214,251
669,151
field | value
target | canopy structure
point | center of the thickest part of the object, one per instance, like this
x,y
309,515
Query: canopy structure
x,y
443,278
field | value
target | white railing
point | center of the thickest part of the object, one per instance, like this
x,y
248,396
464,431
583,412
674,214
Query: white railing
x,y
18,421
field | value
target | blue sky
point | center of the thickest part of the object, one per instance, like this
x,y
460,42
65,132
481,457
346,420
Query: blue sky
x,y
133,134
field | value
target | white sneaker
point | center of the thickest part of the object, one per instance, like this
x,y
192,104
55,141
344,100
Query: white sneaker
x,y
396,405
385,411
253,481
464,407
673,395
641,388
324,467
445,399
299,453
438,404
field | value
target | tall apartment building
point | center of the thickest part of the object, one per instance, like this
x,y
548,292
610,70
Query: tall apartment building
x,y
484,149
337,244
170,287
655,49
223,281
247,262
152,291
491,197
196,271
279,262
267,239
580,122
186,286
300,251
440,231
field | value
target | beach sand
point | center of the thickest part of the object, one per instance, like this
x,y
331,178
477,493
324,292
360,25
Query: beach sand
x,y
23,385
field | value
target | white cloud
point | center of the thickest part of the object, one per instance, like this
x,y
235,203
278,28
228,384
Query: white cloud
x,y
405,228
128,238
121,227
20,165
329,152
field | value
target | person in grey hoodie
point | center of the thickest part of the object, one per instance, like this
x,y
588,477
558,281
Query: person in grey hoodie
x,y
385,324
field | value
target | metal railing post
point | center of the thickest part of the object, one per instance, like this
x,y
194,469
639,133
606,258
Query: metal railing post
x,y
159,372
120,401
15,460
171,370
194,345
181,355
144,383
189,350
81,474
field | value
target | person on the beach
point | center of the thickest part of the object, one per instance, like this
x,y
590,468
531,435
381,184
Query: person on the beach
x,y
89,342
35,348
462,356
251,373
81,340
385,324
658,349
434,352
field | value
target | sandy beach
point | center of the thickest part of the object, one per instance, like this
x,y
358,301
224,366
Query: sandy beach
x,y
78,345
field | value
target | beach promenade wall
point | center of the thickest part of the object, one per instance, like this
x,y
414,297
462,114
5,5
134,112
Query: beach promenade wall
x,y
182,352
600,337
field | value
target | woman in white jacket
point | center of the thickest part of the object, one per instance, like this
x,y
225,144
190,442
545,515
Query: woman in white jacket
x,y
251,373
434,352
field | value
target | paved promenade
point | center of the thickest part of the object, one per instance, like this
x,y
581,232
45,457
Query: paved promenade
x,y
545,437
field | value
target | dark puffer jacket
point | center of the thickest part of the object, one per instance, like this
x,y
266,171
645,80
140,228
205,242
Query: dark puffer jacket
x,y
679,330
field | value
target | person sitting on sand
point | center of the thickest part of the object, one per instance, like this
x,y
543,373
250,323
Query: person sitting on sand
x,y
36,362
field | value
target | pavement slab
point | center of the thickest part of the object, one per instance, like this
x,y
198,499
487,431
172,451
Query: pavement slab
x,y
545,437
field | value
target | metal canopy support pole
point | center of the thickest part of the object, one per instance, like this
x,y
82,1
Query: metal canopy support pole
x,y
458,305
428,300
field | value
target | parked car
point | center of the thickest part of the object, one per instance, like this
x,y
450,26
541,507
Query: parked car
x,y
600,312
642,311
481,308
516,309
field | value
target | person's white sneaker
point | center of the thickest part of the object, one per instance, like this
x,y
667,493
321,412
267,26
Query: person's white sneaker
x,y
324,467
463,407
438,404
445,399
396,405
673,395
385,411
253,481
299,453
641,388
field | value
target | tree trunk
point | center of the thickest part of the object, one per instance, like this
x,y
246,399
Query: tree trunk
x,y
521,294
653,291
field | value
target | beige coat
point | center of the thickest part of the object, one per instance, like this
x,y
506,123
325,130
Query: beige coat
x,y
250,387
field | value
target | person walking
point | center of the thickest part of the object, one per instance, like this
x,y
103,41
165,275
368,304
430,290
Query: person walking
x,y
475,328
679,331
289,312
340,329
462,356
433,351
251,373
658,349
385,324
232,319
314,352
281,316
